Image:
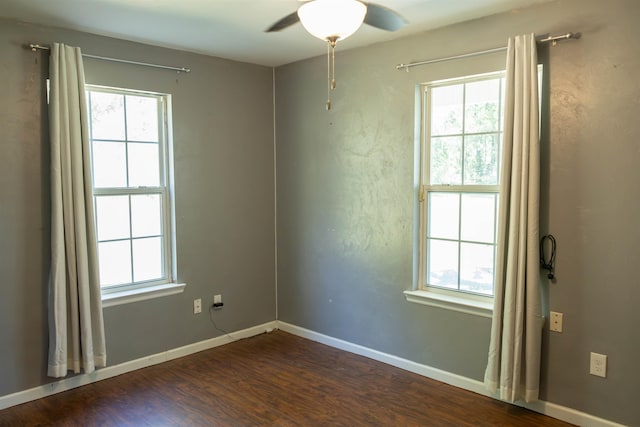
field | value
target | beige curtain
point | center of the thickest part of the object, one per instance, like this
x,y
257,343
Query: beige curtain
x,y
513,367
76,331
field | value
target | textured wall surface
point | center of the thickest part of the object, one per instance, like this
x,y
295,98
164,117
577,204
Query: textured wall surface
x,y
223,147
346,198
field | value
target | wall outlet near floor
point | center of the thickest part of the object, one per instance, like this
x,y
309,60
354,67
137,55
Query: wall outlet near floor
x,y
217,299
556,321
598,365
197,306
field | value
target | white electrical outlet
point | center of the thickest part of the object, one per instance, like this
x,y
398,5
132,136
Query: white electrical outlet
x,y
598,365
556,322
197,306
217,299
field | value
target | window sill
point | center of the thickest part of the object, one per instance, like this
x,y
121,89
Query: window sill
x,y
141,294
450,302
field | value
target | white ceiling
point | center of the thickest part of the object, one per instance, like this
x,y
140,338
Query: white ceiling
x,y
234,29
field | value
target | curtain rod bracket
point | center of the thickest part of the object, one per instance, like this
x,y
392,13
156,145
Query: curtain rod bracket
x,y
35,47
554,39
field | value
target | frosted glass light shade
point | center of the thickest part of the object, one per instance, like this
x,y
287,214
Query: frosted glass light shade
x,y
332,19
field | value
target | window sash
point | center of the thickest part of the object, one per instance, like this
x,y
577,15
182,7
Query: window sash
x,y
165,224
459,240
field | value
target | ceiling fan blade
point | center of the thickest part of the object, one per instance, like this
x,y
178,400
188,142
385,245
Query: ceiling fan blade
x,y
285,22
383,18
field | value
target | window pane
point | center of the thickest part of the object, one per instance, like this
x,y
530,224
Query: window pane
x,y
112,217
481,113
115,263
146,215
476,268
446,160
144,168
481,159
142,118
446,110
147,259
442,267
109,164
443,214
478,217
107,116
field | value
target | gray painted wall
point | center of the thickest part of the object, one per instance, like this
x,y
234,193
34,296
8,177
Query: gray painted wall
x,y
346,199
223,146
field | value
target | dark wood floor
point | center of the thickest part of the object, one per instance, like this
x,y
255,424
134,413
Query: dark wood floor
x,y
274,379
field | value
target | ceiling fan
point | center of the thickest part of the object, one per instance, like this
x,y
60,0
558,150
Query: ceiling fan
x,y
335,20
375,15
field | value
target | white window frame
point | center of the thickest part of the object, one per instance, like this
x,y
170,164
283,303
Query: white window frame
x,y
423,293
166,285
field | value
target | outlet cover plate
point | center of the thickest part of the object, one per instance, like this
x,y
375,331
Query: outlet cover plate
x,y
197,306
556,321
598,365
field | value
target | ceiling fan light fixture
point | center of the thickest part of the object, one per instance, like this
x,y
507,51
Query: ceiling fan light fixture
x,y
332,20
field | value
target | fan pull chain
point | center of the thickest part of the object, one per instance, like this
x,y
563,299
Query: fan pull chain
x,y
333,66
328,76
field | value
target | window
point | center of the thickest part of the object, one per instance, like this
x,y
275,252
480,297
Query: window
x,y
459,186
130,168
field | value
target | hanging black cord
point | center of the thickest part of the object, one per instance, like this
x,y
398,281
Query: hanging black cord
x,y
552,259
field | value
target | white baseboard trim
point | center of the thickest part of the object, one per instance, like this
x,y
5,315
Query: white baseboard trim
x,y
551,409
122,368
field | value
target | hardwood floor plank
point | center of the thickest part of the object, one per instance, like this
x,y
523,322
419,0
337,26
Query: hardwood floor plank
x,y
274,379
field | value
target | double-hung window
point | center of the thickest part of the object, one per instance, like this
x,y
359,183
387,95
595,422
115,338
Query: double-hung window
x,y
130,168
459,187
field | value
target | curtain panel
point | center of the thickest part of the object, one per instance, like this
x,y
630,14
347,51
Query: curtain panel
x,y
513,368
76,329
